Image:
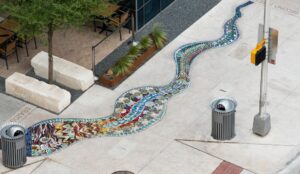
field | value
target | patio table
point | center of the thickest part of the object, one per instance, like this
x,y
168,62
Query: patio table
x,y
3,16
13,26
110,10
9,24
5,35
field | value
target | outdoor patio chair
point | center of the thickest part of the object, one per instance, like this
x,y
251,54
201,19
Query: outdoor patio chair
x,y
119,20
25,41
98,20
8,49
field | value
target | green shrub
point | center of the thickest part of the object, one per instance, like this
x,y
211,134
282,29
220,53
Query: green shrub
x,y
145,42
135,51
123,65
158,36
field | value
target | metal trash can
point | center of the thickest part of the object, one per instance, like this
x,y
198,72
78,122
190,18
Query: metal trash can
x,y
13,146
223,118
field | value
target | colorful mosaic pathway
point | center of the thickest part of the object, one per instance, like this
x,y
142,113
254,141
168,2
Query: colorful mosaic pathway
x,y
135,110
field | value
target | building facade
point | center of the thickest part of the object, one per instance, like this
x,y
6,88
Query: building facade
x,y
148,9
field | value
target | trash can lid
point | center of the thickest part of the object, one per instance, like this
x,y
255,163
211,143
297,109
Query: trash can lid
x,y
225,104
13,131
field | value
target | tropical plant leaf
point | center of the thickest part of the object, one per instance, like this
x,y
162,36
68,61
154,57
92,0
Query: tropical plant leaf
x,y
123,65
135,51
158,36
145,42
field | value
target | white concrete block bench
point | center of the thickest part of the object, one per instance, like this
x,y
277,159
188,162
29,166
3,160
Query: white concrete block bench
x,y
37,92
64,72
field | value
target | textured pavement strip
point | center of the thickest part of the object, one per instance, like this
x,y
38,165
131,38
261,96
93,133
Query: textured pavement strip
x,y
9,106
22,114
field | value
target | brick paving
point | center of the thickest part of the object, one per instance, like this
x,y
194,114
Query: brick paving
x,y
227,168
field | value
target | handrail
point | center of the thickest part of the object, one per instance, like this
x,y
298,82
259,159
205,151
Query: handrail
x,y
95,46
101,41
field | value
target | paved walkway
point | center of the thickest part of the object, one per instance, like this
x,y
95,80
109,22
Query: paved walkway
x,y
82,55
8,107
135,110
181,142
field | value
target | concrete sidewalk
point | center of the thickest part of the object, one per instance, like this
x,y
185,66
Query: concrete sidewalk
x,y
181,142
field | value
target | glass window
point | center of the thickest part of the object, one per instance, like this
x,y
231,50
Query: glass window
x,y
140,18
148,9
152,8
140,3
165,3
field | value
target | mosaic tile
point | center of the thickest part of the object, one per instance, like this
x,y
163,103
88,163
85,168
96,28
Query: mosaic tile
x,y
135,110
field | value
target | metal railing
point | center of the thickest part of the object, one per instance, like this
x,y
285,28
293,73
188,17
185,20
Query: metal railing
x,y
108,35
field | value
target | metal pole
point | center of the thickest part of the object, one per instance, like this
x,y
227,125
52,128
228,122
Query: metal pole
x,y
262,121
264,66
132,19
132,25
93,60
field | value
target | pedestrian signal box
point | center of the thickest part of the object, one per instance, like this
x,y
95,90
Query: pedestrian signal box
x,y
258,54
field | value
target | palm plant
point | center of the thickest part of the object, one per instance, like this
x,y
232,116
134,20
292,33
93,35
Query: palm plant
x,y
135,51
158,36
145,42
123,65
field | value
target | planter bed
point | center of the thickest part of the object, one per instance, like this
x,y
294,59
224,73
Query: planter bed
x,y
112,81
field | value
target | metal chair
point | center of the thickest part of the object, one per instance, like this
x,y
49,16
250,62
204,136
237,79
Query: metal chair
x,y
12,25
8,49
119,20
25,41
97,20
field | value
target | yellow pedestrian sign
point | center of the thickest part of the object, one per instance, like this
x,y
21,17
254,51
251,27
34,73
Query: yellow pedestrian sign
x,y
258,54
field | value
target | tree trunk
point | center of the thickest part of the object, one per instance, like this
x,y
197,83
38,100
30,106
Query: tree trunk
x,y
50,56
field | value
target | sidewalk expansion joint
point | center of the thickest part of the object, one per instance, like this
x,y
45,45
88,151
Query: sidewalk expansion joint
x,y
235,142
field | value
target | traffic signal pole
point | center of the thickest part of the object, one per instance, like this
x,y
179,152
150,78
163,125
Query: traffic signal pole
x,y
262,121
264,66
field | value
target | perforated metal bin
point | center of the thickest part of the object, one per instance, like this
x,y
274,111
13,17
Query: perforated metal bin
x,y
223,118
13,146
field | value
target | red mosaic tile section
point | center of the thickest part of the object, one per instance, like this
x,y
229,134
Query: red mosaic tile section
x,y
227,168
